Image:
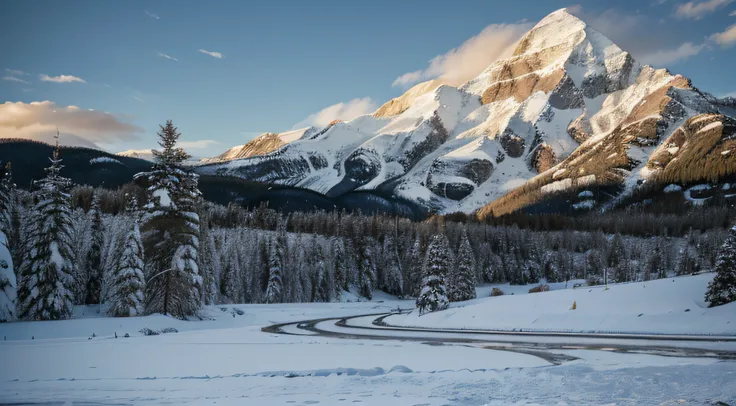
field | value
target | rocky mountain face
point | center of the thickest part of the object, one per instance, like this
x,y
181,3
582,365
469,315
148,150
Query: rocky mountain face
x,y
568,110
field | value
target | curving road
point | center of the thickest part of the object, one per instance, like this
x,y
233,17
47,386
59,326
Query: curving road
x,y
546,345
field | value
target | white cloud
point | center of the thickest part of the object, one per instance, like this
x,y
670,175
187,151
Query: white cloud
x,y
733,14
697,10
213,54
15,72
62,79
341,111
136,98
199,144
669,56
14,79
163,55
725,38
469,59
148,13
39,120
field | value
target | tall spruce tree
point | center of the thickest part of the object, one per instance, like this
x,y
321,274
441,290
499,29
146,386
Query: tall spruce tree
x,y
366,268
394,278
461,284
8,286
437,262
127,293
340,266
94,255
45,291
274,290
415,272
722,289
170,231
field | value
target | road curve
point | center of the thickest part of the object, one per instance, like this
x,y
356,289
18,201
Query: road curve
x,y
540,344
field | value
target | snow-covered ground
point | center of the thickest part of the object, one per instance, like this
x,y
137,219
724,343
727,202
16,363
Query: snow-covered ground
x,y
227,359
665,306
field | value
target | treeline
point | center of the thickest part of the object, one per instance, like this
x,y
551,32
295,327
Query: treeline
x,y
80,245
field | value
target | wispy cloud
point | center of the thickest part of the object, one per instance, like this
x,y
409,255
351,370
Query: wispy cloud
x,y
733,14
14,79
470,58
107,86
697,10
213,54
199,144
726,38
339,111
62,79
38,121
167,56
136,98
15,72
669,56
150,14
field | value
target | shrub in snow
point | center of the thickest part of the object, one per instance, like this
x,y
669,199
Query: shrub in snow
x,y
722,289
45,291
437,262
148,332
128,280
539,289
170,232
496,292
461,280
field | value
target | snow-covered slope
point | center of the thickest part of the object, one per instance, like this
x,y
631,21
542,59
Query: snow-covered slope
x,y
567,98
262,144
663,306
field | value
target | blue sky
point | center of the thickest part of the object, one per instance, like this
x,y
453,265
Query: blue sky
x,y
284,61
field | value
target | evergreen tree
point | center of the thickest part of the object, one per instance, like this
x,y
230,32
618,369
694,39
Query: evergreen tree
x,y
437,262
127,298
209,264
394,279
722,289
414,269
366,268
321,285
461,284
94,256
45,291
274,291
7,275
7,282
171,231
341,266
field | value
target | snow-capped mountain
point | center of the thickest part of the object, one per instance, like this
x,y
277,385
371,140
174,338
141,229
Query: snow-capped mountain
x,y
262,144
568,109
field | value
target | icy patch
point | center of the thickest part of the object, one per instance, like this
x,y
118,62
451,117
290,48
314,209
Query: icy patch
x,y
584,205
104,160
672,188
585,193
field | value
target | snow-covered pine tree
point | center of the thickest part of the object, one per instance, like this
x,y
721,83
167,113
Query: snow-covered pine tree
x,y
170,231
321,286
340,266
45,291
366,268
394,279
7,275
7,282
274,290
414,269
437,262
128,287
722,289
209,265
461,284
7,201
94,255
